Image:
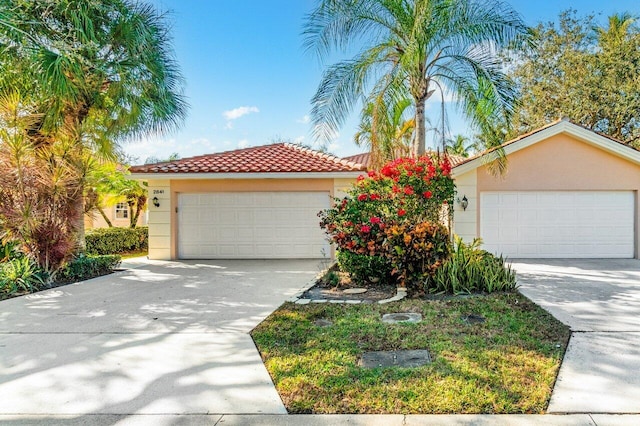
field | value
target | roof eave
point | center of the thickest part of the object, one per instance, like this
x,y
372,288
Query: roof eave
x,y
274,175
563,126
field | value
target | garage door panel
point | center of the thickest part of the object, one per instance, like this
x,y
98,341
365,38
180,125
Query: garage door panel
x,y
251,225
558,223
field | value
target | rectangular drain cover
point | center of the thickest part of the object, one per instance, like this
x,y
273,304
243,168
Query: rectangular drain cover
x,y
405,359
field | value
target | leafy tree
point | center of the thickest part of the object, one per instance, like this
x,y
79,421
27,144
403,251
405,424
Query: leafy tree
x,y
578,69
413,48
96,71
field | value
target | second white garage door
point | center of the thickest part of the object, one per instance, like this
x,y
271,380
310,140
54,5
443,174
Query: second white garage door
x,y
251,225
585,224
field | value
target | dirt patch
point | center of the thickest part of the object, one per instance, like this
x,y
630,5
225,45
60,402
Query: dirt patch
x,y
333,284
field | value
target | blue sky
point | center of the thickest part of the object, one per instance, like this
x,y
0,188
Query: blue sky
x,y
249,81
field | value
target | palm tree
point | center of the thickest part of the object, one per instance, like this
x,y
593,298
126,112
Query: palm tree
x,y
385,129
100,71
413,48
458,145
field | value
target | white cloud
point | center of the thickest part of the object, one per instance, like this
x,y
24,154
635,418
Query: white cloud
x,y
333,146
234,114
142,149
304,120
243,143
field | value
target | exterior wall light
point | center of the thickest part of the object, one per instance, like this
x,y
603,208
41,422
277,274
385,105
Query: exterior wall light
x,y
156,202
464,203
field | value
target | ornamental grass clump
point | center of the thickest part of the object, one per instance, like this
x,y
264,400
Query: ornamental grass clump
x,y
395,216
471,270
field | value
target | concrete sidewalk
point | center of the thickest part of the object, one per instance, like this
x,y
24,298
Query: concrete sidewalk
x,y
329,419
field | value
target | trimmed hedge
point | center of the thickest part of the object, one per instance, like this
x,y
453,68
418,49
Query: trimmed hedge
x,y
86,267
116,240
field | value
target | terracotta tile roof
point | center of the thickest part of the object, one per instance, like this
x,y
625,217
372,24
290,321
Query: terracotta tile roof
x,y
364,158
275,158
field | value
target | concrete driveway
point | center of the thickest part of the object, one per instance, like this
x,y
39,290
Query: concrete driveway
x,y
164,338
600,301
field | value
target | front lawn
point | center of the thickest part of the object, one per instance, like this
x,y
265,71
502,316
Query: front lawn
x,y
507,364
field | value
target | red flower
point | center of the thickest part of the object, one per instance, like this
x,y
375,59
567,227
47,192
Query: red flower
x,y
363,197
365,229
374,197
361,177
427,194
402,212
375,220
395,189
408,190
348,223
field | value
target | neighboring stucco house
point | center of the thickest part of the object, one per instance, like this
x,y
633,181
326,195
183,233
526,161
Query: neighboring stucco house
x,y
118,214
568,192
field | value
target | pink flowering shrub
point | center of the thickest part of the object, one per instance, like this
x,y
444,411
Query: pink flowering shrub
x,y
391,219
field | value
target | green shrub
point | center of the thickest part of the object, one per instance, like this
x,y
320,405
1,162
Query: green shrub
x,y
9,250
364,268
86,267
116,240
393,217
20,275
470,270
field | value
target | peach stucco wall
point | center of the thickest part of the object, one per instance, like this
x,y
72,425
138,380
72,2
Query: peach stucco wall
x,y
163,226
560,163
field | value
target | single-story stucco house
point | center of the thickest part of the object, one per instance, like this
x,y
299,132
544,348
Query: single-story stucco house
x,y
568,193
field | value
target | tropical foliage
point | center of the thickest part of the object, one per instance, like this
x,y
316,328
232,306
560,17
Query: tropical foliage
x,y
471,270
39,190
386,129
395,217
413,49
584,71
460,145
108,184
78,76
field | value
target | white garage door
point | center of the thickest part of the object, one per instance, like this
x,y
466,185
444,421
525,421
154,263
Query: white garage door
x,y
584,224
251,225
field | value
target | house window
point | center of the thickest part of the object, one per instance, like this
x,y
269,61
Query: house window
x,y
122,211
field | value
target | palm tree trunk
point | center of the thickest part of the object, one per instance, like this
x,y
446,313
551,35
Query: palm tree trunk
x,y
105,217
80,225
419,143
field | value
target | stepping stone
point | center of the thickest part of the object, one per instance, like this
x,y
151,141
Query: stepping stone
x,y
401,318
401,294
354,291
473,319
323,322
406,359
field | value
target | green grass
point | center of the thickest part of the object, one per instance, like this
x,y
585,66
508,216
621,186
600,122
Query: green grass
x,y
508,364
132,254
